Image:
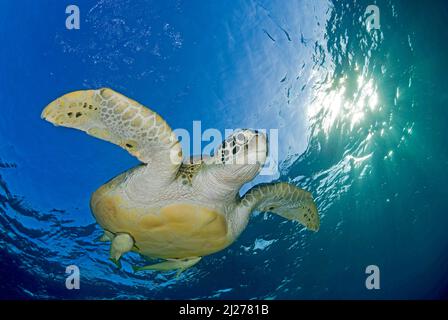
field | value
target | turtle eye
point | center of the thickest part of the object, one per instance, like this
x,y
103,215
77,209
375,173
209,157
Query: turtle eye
x,y
241,138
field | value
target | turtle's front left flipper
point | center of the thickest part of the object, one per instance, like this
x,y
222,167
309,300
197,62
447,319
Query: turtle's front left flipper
x,y
172,264
110,116
285,200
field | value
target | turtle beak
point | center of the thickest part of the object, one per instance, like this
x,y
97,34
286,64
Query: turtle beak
x,y
261,144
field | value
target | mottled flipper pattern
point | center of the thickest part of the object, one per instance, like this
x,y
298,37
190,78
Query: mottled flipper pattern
x,y
285,200
110,116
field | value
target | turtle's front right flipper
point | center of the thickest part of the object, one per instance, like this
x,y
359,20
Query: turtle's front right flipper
x,y
284,199
110,116
172,264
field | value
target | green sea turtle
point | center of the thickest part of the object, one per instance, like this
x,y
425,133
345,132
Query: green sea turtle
x,y
169,209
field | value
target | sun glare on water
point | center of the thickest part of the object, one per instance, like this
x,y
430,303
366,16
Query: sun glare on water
x,y
334,107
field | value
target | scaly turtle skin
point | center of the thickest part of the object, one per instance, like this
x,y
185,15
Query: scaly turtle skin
x,y
165,208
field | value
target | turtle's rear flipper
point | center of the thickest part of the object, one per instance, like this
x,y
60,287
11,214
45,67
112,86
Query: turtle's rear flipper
x,y
173,264
106,237
121,244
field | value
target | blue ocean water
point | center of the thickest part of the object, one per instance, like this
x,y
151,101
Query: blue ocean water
x,y
361,117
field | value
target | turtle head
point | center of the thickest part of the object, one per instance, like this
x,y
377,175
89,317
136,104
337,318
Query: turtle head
x,y
242,154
